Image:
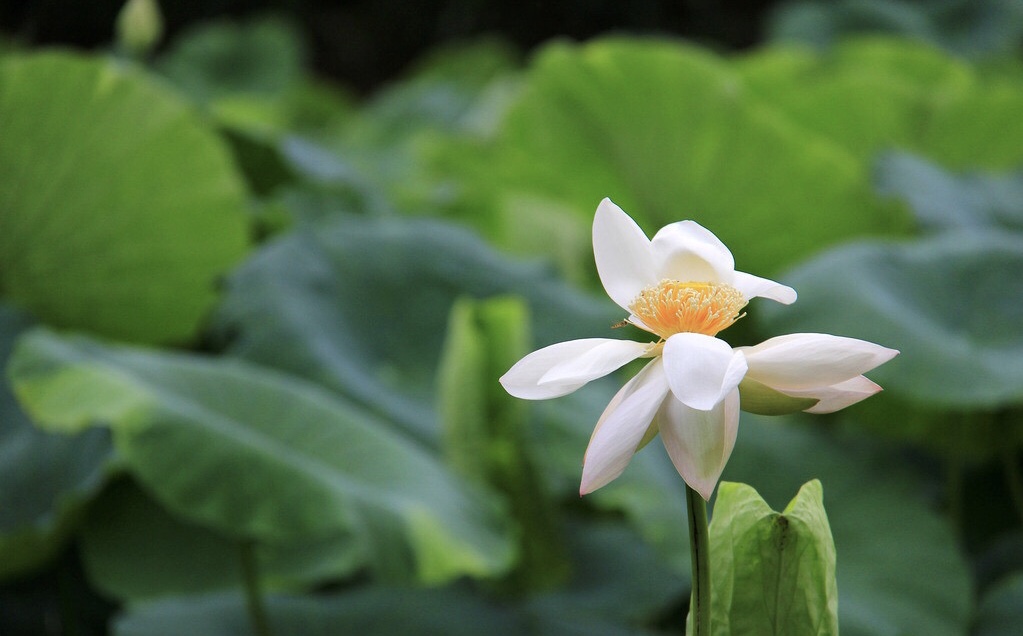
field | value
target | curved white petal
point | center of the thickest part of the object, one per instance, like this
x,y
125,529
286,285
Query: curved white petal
x,y
595,362
837,396
701,369
755,287
810,360
598,357
621,428
687,251
622,253
700,442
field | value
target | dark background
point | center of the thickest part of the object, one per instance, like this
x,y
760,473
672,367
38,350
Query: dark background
x,y
362,43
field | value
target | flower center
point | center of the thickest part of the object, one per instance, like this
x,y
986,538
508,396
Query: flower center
x,y
672,307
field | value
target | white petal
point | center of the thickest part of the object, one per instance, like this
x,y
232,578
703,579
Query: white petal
x,y
622,253
700,442
595,363
810,360
755,287
523,380
620,429
837,396
686,251
701,369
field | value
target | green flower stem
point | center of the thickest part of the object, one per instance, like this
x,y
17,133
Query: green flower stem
x,y
954,490
699,546
253,589
1013,478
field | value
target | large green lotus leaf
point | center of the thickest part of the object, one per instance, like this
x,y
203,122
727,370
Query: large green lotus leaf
x,y
257,454
899,567
45,478
949,303
620,586
1001,609
133,549
118,206
866,95
670,131
872,94
362,307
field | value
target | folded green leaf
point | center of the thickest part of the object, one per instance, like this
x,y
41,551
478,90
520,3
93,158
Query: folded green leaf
x,y
772,573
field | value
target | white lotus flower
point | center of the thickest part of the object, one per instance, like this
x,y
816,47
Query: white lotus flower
x,y
682,286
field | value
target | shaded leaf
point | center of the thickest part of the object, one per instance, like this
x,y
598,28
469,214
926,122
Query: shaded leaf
x,y
948,303
45,478
262,56
361,306
968,27
941,200
620,585
1001,609
134,550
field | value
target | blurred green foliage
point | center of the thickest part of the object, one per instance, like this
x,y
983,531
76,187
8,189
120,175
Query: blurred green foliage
x,y
238,306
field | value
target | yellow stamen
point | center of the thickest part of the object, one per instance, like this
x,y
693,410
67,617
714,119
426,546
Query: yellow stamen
x,y
672,307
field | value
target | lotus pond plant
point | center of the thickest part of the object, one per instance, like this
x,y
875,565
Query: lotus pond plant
x,y
682,287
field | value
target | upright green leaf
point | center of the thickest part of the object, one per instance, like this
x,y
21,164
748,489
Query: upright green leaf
x,y
772,573
256,454
119,207
486,431
900,568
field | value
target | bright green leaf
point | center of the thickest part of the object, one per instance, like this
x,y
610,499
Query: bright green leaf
x,y
256,454
873,94
670,131
118,206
